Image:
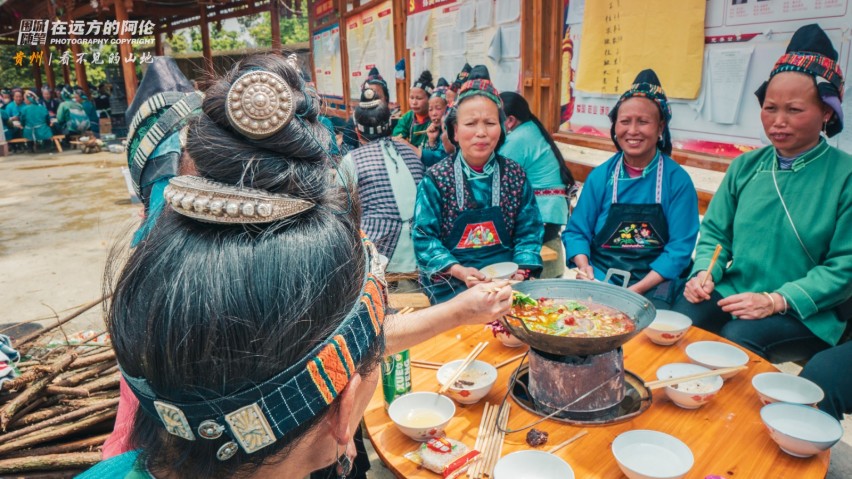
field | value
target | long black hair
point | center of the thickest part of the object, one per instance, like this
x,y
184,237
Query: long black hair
x,y
517,106
203,310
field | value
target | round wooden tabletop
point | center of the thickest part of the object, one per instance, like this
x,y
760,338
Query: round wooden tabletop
x,y
726,435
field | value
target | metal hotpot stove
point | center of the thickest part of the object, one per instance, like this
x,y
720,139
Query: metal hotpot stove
x,y
580,380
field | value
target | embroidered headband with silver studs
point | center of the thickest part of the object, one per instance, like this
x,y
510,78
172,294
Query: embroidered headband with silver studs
x,y
259,104
264,413
214,202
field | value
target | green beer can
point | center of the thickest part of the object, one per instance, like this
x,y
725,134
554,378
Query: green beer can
x,y
396,376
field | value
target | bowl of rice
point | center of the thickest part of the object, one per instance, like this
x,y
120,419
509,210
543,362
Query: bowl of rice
x,y
690,394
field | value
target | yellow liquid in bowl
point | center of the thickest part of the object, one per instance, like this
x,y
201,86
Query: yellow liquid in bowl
x,y
422,418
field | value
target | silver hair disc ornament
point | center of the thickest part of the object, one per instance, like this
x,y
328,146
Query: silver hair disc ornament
x,y
259,104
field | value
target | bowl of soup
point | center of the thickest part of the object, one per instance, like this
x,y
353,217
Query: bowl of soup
x,y
644,454
473,384
422,415
668,327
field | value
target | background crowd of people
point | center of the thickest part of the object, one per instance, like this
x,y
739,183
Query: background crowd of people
x,y
38,115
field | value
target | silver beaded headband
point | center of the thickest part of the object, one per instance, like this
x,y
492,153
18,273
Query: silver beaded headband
x,y
215,202
372,130
259,104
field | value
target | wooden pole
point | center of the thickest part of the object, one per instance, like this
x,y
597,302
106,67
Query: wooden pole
x,y
128,69
36,71
205,41
158,41
66,70
344,51
48,68
399,16
275,25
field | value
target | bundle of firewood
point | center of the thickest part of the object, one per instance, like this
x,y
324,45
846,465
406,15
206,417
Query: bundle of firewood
x,y
56,415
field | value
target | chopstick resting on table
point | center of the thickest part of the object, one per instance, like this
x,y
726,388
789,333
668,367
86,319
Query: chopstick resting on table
x,y
489,440
562,444
661,383
425,364
712,264
509,361
467,361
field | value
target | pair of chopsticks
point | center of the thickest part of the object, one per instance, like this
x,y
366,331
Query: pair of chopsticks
x,y
432,365
579,272
467,361
661,383
425,364
405,310
489,440
564,443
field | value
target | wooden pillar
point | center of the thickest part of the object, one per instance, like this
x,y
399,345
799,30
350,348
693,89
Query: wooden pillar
x,y
66,70
125,50
36,70
399,23
48,68
344,50
275,25
79,67
158,41
205,41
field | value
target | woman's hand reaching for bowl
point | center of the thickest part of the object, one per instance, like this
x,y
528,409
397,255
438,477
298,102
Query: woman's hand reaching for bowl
x,y
695,292
470,276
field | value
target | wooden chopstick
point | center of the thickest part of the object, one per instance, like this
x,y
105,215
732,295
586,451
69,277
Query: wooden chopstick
x,y
712,264
562,444
489,415
509,361
405,310
579,272
425,364
661,383
469,359
497,441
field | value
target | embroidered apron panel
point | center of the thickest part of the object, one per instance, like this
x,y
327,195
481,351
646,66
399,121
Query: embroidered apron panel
x,y
479,235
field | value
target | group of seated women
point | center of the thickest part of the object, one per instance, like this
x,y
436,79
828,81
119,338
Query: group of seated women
x,y
251,317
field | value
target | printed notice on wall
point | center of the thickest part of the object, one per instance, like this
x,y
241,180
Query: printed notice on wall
x,y
623,37
327,62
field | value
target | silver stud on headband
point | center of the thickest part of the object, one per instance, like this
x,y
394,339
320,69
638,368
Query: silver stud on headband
x,y
215,202
210,430
259,104
227,451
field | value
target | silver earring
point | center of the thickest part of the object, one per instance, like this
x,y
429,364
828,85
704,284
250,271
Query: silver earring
x,y
344,465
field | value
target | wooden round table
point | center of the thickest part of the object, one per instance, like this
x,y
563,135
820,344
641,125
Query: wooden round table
x,y
726,435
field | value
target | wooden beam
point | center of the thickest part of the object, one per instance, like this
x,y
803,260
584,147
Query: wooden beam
x,y
79,67
125,50
275,25
205,40
66,71
399,25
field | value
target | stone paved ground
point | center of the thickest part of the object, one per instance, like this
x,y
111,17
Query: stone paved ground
x,y
62,214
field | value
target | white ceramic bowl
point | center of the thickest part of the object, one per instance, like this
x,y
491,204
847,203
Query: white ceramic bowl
x,y
532,465
509,340
643,454
692,394
668,327
481,374
500,270
780,387
717,355
799,430
422,415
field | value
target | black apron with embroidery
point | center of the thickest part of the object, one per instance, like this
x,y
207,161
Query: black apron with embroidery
x,y
478,238
633,235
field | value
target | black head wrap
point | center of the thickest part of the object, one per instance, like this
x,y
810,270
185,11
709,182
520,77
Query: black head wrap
x,y
374,78
810,51
424,82
647,85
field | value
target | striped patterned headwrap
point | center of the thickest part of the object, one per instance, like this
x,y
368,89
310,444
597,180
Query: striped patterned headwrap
x,y
479,87
264,413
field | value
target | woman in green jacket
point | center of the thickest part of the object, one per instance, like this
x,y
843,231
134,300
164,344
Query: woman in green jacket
x,y
782,217
35,119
